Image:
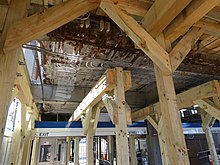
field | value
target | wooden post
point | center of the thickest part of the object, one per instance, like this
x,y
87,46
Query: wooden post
x,y
8,62
89,125
121,126
76,151
89,147
27,149
68,150
211,145
34,151
170,127
110,149
133,155
16,139
207,122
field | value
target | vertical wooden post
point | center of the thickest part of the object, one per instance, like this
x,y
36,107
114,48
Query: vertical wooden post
x,y
76,151
68,150
133,154
28,142
24,130
16,139
89,147
110,149
89,126
9,62
34,151
170,127
27,148
211,145
207,122
121,126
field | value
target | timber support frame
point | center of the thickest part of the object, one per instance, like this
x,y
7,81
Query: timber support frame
x,y
109,92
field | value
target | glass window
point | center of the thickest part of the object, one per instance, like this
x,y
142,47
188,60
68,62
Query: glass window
x,y
45,153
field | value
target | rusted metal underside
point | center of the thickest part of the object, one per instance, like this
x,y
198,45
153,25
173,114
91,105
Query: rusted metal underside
x,y
100,44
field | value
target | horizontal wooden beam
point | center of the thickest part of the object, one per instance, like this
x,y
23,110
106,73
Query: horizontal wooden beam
x,y
184,100
209,107
183,47
105,84
190,15
139,36
39,24
161,13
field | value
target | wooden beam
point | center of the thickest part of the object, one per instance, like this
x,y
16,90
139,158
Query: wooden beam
x,y
207,129
86,120
214,14
76,151
23,84
171,135
121,126
9,62
133,154
184,99
68,148
209,107
134,7
211,144
190,15
39,24
110,106
34,150
161,13
183,47
208,27
139,36
105,84
152,122
128,112
207,120
111,148
89,147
